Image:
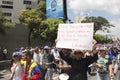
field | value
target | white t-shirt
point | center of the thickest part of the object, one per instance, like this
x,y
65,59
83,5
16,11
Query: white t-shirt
x,y
17,70
55,54
41,58
36,57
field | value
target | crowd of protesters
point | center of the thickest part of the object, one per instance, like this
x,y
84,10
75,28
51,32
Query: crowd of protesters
x,y
40,63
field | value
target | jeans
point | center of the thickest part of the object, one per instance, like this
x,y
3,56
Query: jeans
x,y
104,76
49,74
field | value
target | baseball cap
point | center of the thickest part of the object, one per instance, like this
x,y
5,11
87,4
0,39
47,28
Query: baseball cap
x,y
46,47
102,48
55,49
15,54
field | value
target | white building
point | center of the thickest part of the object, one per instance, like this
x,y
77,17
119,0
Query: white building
x,y
81,17
11,8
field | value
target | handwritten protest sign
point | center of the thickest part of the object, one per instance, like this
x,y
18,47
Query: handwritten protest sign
x,y
75,36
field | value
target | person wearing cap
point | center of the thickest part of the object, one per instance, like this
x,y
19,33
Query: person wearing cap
x,y
104,64
78,65
15,67
56,55
48,62
32,69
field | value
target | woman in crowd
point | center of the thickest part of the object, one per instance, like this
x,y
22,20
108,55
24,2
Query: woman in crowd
x,y
16,69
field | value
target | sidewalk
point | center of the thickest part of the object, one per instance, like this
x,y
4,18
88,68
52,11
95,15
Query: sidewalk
x,y
4,64
4,74
4,71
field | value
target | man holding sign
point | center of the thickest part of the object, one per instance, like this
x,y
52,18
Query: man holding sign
x,y
78,37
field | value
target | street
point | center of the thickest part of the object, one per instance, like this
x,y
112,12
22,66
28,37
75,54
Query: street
x,y
5,73
4,70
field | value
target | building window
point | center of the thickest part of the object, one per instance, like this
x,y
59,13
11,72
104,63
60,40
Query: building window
x,y
7,14
7,2
28,2
28,8
5,6
38,1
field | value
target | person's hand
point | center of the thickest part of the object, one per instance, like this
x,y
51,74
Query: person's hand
x,y
94,42
28,77
99,65
56,40
47,64
58,57
111,75
66,67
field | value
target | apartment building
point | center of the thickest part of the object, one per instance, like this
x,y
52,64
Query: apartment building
x,y
11,8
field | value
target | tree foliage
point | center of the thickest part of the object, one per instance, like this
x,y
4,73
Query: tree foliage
x,y
4,24
102,39
41,28
32,19
100,23
48,30
42,9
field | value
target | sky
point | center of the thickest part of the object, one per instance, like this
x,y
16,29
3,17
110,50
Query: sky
x,y
109,9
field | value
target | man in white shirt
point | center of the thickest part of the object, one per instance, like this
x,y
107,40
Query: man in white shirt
x,y
55,54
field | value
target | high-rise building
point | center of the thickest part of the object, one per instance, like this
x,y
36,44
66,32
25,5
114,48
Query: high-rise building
x,y
11,8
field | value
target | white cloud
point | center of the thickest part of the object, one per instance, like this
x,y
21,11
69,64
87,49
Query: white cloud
x,y
111,6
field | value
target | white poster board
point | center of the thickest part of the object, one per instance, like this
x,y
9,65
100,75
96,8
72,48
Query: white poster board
x,y
75,36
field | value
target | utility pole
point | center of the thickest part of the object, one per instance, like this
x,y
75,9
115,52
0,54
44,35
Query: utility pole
x,y
65,10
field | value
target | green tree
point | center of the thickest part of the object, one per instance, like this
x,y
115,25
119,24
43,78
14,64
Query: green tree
x,y
48,30
99,38
102,39
42,9
4,24
40,27
109,41
32,19
100,23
